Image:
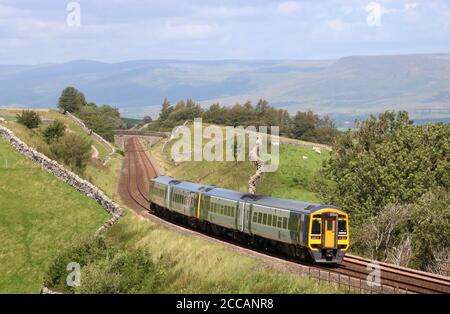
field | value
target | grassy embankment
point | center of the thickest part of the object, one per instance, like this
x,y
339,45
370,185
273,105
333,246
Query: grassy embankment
x,y
39,215
33,137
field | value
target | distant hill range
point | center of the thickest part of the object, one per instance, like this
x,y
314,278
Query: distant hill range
x,y
345,88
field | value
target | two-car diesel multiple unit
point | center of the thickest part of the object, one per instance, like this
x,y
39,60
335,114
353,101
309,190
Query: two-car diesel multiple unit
x,y
305,231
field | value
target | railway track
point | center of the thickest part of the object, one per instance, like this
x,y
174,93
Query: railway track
x,y
393,279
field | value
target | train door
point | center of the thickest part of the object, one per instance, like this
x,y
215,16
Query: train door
x,y
329,231
240,216
169,190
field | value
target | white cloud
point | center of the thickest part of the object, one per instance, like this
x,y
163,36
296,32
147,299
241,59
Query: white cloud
x,y
10,12
185,30
225,12
337,25
410,6
288,7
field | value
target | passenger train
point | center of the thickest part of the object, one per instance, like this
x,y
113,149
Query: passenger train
x,y
306,231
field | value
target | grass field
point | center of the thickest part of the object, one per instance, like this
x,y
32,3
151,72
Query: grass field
x,y
295,174
39,215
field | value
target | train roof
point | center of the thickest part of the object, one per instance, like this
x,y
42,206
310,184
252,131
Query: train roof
x,y
273,202
163,179
189,186
185,185
224,193
281,203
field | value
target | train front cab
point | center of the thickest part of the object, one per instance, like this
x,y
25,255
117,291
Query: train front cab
x,y
328,237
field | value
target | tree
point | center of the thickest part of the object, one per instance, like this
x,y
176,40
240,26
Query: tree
x,y
54,131
71,100
311,127
166,109
147,119
387,161
73,150
29,118
103,120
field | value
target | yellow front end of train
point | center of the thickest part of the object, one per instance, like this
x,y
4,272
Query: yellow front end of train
x,y
328,237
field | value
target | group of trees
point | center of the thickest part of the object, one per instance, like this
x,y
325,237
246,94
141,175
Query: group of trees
x,y
304,125
394,178
101,119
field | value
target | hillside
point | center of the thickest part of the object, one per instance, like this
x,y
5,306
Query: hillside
x,y
346,88
293,179
39,215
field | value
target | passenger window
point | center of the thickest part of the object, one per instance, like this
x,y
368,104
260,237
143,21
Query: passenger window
x,y
284,222
255,216
280,222
259,218
316,227
269,220
274,221
264,219
329,225
342,227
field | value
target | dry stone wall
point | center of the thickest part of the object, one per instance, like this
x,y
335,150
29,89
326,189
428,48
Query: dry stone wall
x,y
67,176
111,148
254,156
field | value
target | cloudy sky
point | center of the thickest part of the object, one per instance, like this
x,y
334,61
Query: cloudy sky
x,y
38,31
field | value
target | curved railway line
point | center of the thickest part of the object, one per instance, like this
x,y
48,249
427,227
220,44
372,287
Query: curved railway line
x,y
353,271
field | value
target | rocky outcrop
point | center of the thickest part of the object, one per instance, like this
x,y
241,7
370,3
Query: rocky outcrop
x,y
67,176
111,148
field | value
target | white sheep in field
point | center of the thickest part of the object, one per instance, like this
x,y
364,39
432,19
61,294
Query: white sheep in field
x,y
317,149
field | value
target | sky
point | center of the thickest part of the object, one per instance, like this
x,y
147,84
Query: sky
x,y
42,31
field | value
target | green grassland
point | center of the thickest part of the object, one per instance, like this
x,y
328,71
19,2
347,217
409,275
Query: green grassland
x,y
295,175
39,215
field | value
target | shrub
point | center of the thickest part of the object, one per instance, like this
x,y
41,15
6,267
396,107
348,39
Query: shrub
x,y
54,131
29,118
104,269
127,272
73,150
84,251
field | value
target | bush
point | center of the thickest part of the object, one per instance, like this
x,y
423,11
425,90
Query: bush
x,y
84,251
104,269
54,131
126,272
73,150
29,118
